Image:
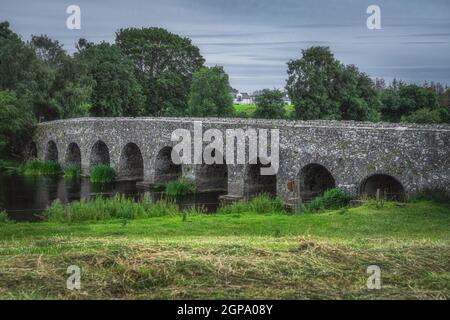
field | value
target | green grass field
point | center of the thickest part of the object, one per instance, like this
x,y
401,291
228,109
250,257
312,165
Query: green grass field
x,y
249,110
245,255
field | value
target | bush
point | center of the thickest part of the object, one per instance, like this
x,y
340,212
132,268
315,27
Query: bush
x,y
72,171
180,187
4,217
437,195
332,199
101,208
102,173
261,204
39,167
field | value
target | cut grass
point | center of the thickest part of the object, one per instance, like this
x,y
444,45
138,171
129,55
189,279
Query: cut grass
x,y
245,255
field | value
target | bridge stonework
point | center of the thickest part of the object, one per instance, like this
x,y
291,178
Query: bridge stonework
x,y
355,156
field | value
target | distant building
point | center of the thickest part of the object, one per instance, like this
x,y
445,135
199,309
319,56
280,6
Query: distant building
x,y
242,98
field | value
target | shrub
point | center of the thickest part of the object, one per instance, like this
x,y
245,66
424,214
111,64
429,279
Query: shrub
x,y
438,195
39,167
72,171
4,217
102,173
180,187
330,200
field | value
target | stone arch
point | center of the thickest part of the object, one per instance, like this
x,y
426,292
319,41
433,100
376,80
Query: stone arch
x,y
99,154
51,151
314,180
389,187
165,169
256,183
131,163
212,177
73,155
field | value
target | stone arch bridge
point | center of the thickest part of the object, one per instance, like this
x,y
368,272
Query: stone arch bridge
x,y
359,157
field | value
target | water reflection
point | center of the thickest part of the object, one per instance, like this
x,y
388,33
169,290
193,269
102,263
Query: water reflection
x,y
25,197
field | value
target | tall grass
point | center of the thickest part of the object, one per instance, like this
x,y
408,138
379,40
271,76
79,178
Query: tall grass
x,y
180,187
332,199
72,171
4,217
40,167
437,195
261,204
119,207
102,173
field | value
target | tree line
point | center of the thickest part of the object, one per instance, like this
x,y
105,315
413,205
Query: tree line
x,y
152,72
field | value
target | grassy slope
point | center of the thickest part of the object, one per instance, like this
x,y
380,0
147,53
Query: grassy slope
x,y
250,109
235,256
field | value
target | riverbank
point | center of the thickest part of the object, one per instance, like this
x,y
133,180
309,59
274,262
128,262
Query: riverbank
x,y
235,255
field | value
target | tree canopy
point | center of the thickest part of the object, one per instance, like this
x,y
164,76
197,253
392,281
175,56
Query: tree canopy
x,y
269,104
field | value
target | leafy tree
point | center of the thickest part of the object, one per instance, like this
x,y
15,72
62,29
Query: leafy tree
x,y
269,104
321,87
15,124
164,64
404,101
115,89
210,93
423,115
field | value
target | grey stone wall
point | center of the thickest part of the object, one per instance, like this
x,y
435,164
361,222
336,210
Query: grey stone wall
x,y
417,156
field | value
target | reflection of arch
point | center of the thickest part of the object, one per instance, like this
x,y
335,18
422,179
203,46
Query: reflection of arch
x,y
51,152
131,165
212,177
99,154
257,183
389,187
165,169
73,155
314,180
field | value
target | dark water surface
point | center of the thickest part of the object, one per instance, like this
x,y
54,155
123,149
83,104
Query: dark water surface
x,y
25,197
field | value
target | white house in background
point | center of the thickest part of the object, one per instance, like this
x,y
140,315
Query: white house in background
x,y
243,98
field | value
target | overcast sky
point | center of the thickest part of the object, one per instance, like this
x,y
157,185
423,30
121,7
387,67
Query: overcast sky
x,y
253,39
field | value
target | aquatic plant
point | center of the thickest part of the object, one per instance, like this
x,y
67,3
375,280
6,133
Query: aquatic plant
x,y
102,173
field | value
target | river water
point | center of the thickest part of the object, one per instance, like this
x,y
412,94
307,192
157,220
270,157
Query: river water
x,y
25,197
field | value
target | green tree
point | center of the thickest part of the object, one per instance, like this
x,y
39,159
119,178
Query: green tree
x,y
423,115
15,124
321,87
404,100
164,64
269,105
210,93
115,89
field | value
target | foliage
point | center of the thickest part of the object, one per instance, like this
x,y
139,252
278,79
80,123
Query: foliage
x,y
118,207
437,195
15,123
72,171
322,88
209,94
332,199
4,217
115,90
162,61
102,173
180,187
40,167
405,100
423,115
269,105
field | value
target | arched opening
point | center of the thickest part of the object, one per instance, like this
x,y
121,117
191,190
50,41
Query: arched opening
x,y
73,155
314,180
165,169
212,177
258,183
51,152
131,166
99,154
387,187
